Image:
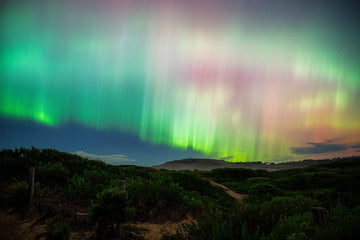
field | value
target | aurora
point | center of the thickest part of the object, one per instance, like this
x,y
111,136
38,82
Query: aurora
x,y
241,80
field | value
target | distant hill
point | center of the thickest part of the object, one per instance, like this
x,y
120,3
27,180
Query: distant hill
x,y
209,164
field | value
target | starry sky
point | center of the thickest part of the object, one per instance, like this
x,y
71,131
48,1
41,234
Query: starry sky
x,y
148,81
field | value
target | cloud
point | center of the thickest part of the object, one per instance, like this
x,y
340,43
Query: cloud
x,y
318,148
356,146
335,140
110,159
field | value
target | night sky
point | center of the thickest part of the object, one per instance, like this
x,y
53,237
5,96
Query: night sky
x,y
148,81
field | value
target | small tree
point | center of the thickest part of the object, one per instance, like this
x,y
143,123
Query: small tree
x,y
19,194
111,208
58,231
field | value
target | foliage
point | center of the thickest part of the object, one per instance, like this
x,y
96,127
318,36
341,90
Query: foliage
x,y
230,174
52,171
343,224
327,197
278,205
256,180
264,191
297,227
237,186
151,192
58,231
307,180
213,226
193,183
287,206
157,195
78,188
111,208
283,207
19,194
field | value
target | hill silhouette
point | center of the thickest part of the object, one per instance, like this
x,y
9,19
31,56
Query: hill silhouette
x,y
210,164
81,198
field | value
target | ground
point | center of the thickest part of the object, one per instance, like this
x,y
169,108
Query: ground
x,y
29,225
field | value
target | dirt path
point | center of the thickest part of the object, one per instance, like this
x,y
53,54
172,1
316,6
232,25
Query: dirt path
x,y
156,230
233,194
13,227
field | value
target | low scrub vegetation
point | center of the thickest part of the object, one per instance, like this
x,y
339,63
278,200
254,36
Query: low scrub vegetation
x,y
278,204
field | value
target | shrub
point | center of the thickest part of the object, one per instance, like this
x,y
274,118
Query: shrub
x,y
326,196
154,192
19,194
304,180
256,180
343,224
192,182
58,231
237,187
111,208
213,226
287,206
96,176
284,207
193,201
261,173
78,187
264,192
52,171
230,174
294,227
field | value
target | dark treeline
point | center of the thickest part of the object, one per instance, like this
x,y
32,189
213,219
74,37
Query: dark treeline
x,y
278,204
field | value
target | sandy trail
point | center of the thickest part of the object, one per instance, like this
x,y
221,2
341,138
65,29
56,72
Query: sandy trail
x,y
156,230
13,227
233,194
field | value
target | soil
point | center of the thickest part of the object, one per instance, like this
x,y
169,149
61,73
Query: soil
x,y
14,227
30,225
155,230
233,194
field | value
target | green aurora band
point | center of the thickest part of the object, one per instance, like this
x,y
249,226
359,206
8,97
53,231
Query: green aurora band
x,y
225,86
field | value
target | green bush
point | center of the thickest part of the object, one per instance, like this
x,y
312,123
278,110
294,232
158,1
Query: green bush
x,y
261,173
264,191
237,186
58,231
111,208
307,180
297,227
52,171
230,174
218,224
213,226
154,192
97,179
288,206
283,207
326,196
96,176
257,180
19,194
193,201
343,224
78,188
192,182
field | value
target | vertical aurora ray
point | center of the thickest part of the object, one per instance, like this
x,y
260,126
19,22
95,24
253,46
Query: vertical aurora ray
x,y
198,75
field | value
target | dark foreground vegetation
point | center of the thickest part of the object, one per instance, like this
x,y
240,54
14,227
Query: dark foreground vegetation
x,y
76,195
